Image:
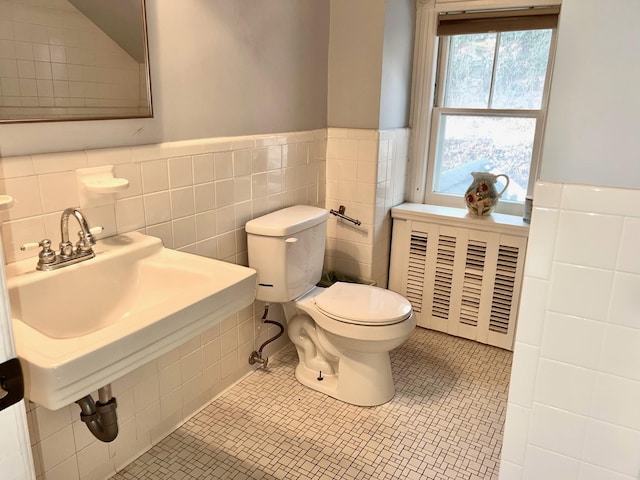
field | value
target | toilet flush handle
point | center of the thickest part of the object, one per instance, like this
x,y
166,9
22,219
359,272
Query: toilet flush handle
x,y
291,240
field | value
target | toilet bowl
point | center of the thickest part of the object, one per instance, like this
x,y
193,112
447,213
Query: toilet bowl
x,y
343,334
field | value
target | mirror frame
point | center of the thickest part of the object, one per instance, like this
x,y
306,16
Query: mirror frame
x,y
147,78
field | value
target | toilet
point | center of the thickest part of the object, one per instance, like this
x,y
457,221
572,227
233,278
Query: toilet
x,y
343,333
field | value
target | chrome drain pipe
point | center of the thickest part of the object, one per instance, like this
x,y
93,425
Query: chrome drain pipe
x,y
101,418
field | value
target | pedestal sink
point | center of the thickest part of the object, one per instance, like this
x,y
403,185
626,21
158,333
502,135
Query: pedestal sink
x,y
82,326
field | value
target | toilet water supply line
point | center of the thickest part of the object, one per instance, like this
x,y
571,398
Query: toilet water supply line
x,y
100,417
256,356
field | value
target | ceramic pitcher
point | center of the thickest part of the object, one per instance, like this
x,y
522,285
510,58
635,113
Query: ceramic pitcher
x,y
482,197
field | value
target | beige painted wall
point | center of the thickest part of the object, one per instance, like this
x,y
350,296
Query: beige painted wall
x,y
370,63
397,63
355,63
592,129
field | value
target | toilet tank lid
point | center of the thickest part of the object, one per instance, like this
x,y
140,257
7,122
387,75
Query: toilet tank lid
x,y
287,221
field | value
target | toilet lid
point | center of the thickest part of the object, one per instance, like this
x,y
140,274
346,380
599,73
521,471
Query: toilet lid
x,y
363,304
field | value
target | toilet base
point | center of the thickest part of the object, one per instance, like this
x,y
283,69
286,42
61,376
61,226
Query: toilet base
x,y
362,379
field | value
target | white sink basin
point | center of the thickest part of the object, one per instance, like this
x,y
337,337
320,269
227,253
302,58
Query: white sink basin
x,y
82,326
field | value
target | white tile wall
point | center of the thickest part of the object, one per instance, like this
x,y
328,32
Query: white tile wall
x,y
365,173
196,196
575,385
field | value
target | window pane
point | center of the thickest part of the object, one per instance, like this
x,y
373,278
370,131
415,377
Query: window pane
x,y
469,70
484,144
521,68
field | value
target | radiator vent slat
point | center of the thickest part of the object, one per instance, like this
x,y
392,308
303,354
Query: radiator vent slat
x,y
417,265
472,282
503,289
445,260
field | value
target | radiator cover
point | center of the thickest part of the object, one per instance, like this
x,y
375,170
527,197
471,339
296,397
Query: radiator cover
x,y
461,273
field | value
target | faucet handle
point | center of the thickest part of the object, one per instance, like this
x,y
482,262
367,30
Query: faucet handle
x,y
45,244
86,241
29,245
93,231
46,255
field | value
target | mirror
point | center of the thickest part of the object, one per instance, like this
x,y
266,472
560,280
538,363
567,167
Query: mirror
x,y
73,60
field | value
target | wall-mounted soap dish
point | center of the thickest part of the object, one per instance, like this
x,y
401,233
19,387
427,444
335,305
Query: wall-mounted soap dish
x,y
6,202
97,185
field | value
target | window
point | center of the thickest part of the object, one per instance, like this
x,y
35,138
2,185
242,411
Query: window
x,y
489,103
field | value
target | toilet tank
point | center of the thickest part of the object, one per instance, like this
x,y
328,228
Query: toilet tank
x,y
286,248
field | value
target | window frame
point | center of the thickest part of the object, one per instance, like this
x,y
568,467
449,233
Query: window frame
x,y
435,198
426,114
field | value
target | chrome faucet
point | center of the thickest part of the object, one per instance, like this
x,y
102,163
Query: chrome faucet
x,y
86,240
48,259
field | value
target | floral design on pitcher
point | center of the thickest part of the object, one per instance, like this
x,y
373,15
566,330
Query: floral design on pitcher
x,y
482,197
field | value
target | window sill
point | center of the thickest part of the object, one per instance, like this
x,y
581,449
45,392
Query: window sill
x,y
460,217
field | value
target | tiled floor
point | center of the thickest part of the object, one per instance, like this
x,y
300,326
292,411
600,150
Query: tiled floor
x,y
445,422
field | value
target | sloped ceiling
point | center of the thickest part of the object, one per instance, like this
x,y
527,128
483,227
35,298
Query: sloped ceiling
x,y
120,19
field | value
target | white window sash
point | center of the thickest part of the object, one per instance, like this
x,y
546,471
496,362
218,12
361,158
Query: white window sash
x,y
423,91
434,198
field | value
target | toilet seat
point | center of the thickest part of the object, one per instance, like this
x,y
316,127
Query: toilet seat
x,y
357,304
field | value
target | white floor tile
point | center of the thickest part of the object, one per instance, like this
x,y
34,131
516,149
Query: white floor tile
x,y
446,421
